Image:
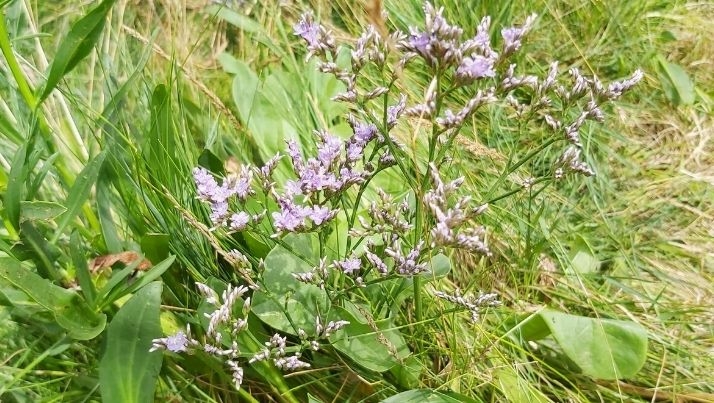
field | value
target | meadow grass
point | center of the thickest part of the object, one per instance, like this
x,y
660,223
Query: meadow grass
x,y
158,91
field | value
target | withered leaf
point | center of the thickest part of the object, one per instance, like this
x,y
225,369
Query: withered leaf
x,y
127,258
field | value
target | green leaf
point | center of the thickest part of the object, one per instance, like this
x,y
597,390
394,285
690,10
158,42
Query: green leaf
x,y
421,396
440,266
601,348
677,84
43,253
407,374
40,175
69,309
84,278
267,128
106,220
162,150
211,162
515,388
238,20
150,275
285,303
313,399
40,210
127,371
14,193
76,45
361,343
109,293
80,192
582,257
155,246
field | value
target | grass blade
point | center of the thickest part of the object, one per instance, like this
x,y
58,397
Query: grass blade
x,y
77,45
80,192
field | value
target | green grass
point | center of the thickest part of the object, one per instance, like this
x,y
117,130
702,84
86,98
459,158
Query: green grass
x,y
155,95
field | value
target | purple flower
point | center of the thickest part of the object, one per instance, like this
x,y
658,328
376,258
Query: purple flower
x,y
355,150
364,133
206,185
512,36
376,262
308,30
219,211
475,67
315,178
239,221
291,217
292,188
295,156
266,171
419,41
329,150
321,214
395,111
348,266
177,343
406,265
482,39
242,188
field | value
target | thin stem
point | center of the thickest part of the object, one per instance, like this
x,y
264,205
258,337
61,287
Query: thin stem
x,y
512,168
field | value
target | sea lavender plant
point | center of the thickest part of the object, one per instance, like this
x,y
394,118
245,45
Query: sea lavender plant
x,y
388,237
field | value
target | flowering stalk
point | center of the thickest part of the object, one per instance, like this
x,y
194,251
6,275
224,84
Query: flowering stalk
x,y
390,239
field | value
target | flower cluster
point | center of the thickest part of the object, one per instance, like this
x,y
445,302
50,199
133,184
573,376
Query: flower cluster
x,y
472,304
222,330
223,327
387,237
218,195
450,220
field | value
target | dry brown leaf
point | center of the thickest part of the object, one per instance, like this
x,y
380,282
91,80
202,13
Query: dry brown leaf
x,y
127,258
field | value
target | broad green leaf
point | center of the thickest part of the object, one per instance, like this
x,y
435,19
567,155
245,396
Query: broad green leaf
x,y
582,257
677,84
361,343
407,374
601,348
439,266
245,87
421,396
267,129
285,303
40,210
211,162
69,309
80,192
76,45
127,371
155,247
